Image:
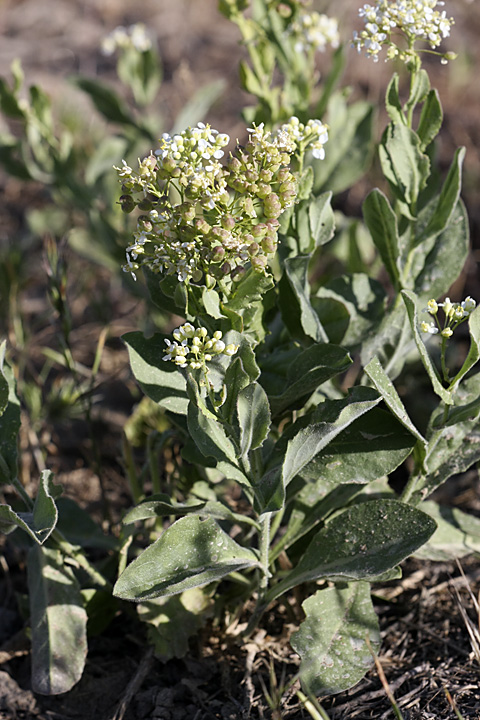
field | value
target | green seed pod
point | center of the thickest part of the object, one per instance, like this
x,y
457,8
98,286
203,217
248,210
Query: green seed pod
x,y
253,249
259,262
237,273
127,203
271,206
217,254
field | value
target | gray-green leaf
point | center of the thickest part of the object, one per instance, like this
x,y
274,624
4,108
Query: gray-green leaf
x,y
190,553
331,640
58,621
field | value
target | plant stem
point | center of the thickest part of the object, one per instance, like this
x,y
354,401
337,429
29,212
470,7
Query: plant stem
x,y
264,547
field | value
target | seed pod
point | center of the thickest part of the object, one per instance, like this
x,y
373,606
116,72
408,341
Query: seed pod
x,y
127,203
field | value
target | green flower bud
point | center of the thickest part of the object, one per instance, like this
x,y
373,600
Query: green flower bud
x,y
253,249
217,254
228,222
269,245
271,206
259,230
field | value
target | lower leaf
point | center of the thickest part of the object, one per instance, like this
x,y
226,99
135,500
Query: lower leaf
x,y
58,620
331,641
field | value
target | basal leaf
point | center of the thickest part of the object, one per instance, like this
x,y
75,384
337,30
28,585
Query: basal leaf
x,y
190,553
58,622
331,640
172,621
456,536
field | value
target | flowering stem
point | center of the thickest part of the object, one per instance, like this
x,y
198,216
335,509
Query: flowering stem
x,y
442,359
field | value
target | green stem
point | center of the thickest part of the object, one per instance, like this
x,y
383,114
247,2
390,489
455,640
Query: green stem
x,y
443,360
264,547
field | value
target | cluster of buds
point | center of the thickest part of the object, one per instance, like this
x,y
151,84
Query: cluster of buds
x,y
194,348
454,314
220,216
122,38
414,19
312,32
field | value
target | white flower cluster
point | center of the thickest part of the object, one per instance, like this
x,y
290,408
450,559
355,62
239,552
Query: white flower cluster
x,y
122,38
198,345
219,217
294,136
416,19
314,31
455,314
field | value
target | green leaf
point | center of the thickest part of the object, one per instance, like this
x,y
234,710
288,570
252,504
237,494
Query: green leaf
x,y
310,441
410,301
198,106
391,397
370,448
190,553
447,200
209,435
306,373
444,260
250,289
474,350
4,388
58,621
391,342
431,119
456,536
382,224
9,426
331,640
321,220
392,101
253,414
360,543
236,379
404,165
350,145
211,303
106,101
350,308
419,90
159,506
79,528
9,103
162,381
172,621
294,300
41,521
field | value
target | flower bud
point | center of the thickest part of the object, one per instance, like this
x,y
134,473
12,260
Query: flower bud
x,y
259,262
271,206
217,254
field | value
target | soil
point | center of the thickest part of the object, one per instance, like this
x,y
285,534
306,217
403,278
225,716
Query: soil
x,y
426,619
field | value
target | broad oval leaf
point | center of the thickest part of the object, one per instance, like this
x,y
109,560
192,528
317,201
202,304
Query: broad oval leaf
x,y
253,413
331,640
190,553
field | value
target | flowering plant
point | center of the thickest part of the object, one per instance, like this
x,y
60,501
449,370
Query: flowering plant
x,y
280,390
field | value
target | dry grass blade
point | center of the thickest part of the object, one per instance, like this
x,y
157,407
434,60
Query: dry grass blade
x,y
453,705
472,628
384,682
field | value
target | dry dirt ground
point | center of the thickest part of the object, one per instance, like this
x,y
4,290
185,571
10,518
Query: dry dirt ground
x,y
426,655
